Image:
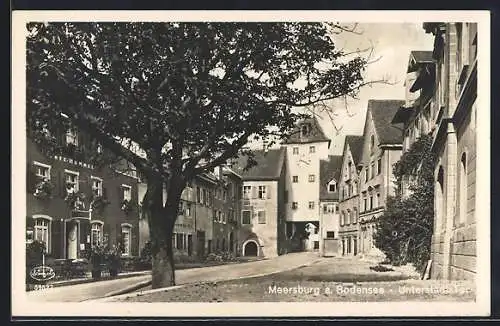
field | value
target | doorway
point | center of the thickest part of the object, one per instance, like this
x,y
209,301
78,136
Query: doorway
x,y
190,244
250,248
200,239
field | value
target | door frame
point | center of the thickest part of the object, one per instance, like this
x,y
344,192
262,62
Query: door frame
x,y
78,236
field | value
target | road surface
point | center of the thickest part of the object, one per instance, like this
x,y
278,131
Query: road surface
x,y
96,290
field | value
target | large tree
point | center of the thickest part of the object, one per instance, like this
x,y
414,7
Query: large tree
x,y
188,95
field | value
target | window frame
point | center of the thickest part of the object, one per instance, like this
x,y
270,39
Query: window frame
x,y
312,149
262,192
243,217
101,231
312,178
42,165
76,187
73,134
247,194
259,217
127,249
295,179
311,204
295,150
129,188
99,190
45,228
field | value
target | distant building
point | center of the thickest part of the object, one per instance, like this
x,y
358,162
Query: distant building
x,y
453,111
306,147
262,230
382,145
329,176
72,205
208,214
227,210
348,187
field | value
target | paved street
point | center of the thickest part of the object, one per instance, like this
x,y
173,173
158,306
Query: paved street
x,y
89,291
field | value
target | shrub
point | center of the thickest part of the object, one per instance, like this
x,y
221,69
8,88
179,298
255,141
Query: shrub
x,y
221,256
34,252
404,231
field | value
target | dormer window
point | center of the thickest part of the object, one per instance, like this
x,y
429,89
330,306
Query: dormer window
x,y
332,186
304,130
72,137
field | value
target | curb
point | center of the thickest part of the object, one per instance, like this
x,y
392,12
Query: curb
x,y
129,289
113,297
90,280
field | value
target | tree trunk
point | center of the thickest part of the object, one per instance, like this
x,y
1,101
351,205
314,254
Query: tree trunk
x,y
163,269
161,224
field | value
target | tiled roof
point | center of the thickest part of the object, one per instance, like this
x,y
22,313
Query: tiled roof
x,y
383,112
356,147
269,165
315,134
327,171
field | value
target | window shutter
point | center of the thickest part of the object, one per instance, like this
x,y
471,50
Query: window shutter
x,y
62,184
119,192
254,192
268,192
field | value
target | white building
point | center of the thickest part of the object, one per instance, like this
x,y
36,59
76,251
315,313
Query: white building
x,y
305,148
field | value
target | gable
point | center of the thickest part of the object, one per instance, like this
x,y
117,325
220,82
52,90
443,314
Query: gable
x,y
368,133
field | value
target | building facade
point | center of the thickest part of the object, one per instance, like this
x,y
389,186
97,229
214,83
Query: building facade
x,y
329,205
262,230
453,250
349,184
73,205
382,145
306,147
227,208
208,215
415,115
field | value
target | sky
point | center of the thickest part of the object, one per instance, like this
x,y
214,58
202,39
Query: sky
x,y
392,44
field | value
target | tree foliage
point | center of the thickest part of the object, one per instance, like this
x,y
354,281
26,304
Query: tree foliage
x,y
178,99
404,231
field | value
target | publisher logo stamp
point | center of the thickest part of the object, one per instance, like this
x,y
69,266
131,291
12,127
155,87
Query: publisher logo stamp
x,y
42,273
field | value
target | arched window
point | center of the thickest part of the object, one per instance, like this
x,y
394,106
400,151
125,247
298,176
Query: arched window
x,y
42,229
463,189
355,216
96,233
348,217
342,218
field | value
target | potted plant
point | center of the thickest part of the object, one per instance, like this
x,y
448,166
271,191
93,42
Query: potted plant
x,y
43,189
75,199
96,257
113,258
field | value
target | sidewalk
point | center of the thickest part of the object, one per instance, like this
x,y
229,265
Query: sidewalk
x,y
92,291
178,267
84,280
